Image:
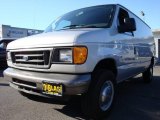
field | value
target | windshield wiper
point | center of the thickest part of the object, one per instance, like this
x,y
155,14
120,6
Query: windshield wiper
x,y
72,26
80,26
89,26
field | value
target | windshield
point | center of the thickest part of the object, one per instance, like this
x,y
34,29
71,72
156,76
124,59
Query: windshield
x,y
91,17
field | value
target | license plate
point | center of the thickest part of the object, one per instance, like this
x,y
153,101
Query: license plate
x,y
52,89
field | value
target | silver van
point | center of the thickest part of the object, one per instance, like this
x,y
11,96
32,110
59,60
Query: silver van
x,y
84,52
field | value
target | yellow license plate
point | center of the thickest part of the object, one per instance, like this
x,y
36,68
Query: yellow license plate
x,y
52,89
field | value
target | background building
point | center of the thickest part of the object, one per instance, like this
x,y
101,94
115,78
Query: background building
x,y
8,33
156,34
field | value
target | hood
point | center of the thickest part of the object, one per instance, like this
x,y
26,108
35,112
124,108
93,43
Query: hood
x,y
50,39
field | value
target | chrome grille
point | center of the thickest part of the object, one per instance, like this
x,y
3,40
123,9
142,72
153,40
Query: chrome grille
x,y
32,59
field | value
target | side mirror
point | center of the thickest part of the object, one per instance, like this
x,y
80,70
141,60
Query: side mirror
x,y
128,26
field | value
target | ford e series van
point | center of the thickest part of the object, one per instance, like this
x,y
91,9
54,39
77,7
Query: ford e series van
x,y
85,52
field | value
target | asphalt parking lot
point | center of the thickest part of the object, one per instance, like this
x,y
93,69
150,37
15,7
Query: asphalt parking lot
x,y
135,101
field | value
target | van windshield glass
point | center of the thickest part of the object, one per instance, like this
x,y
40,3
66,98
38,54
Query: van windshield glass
x,y
91,17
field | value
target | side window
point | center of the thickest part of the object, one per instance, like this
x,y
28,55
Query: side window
x,y
125,23
122,15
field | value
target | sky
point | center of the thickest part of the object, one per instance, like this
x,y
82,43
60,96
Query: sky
x,y
38,14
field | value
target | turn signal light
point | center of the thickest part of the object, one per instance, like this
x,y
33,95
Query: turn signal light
x,y
79,55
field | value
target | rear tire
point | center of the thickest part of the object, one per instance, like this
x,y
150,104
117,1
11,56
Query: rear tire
x,y
98,101
148,75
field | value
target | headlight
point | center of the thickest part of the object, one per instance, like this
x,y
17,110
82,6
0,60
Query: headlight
x,y
8,56
65,55
73,55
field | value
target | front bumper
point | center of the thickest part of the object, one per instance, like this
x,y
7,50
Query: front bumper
x,y
31,82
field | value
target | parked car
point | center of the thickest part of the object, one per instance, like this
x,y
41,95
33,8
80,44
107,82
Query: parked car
x,y
85,52
3,61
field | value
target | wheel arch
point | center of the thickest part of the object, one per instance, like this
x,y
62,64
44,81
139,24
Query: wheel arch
x,y
108,64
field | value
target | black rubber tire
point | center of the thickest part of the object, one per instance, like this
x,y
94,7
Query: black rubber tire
x,y
90,100
148,75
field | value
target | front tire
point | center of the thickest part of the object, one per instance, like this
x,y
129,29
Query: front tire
x,y
98,101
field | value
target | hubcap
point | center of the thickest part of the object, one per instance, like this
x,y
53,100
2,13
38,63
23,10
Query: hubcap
x,y
106,95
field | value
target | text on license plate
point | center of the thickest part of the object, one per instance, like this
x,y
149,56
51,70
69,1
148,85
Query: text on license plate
x,y
52,89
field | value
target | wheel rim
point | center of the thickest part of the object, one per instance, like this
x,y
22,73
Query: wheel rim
x,y
106,95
